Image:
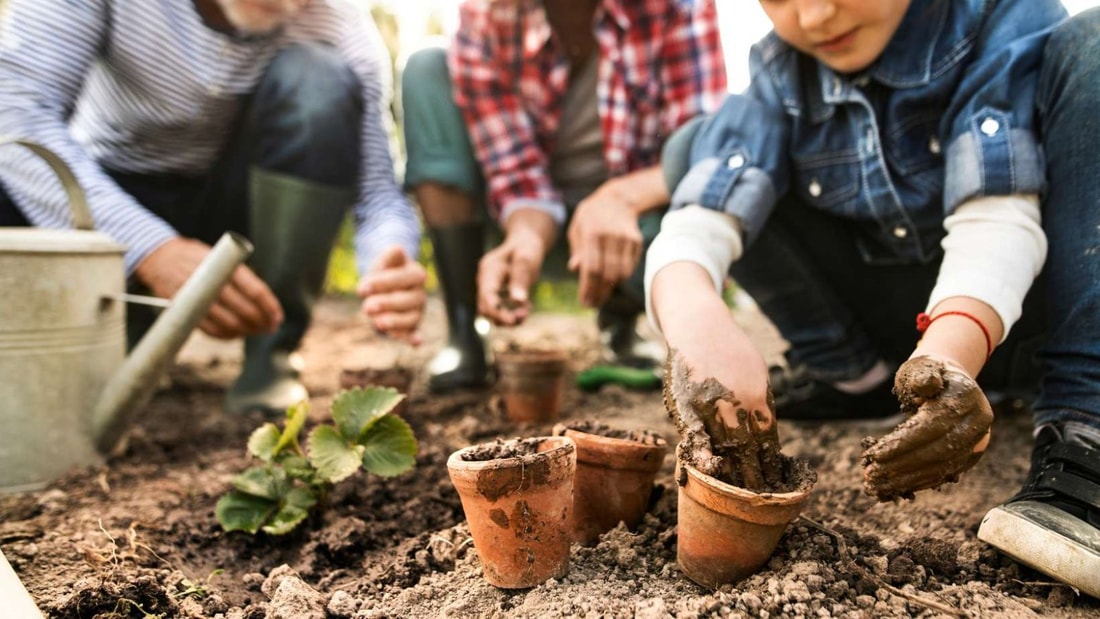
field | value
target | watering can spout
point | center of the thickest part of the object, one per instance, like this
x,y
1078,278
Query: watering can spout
x,y
137,378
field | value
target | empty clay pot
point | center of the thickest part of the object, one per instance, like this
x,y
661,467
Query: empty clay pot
x,y
531,384
398,378
615,471
518,499
726,533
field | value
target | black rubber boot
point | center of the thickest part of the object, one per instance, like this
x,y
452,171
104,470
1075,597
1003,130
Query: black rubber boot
x,y
294,225
462,363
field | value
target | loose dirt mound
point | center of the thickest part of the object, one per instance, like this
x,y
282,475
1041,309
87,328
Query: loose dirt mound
x,y
138,537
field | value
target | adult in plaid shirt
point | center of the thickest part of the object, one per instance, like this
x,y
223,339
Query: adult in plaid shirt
x,y
555,121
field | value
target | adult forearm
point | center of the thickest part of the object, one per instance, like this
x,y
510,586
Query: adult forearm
x,y
643,190
533,224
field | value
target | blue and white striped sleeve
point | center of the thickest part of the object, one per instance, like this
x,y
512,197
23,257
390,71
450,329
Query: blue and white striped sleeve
x,y
46,50
383,215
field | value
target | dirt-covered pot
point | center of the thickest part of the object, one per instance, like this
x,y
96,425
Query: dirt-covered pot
x,y
726,533
615,472
531,383
398,378
518,499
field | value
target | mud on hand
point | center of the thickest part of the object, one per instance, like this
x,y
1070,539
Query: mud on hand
x,y
718,436
946,433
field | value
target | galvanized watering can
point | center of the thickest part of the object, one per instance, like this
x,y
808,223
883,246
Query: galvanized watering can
x,y
67,389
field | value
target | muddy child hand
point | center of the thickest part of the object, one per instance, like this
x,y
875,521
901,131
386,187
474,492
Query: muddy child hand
x,y
720,437
946,433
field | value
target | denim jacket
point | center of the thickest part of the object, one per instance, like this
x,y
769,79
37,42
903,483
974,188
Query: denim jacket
x,y
945,114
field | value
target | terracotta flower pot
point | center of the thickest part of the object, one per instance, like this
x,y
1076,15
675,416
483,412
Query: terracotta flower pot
x,y
615,471
726,533
518,499
531,383
398,378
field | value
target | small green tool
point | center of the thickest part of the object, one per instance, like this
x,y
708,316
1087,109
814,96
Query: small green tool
x,y
632,378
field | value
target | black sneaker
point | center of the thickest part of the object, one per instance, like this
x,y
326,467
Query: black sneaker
x,y
801,397
1053,524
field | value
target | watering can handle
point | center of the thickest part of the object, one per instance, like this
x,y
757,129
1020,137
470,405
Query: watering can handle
x,y
82,215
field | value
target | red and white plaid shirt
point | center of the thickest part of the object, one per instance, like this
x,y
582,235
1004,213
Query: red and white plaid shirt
x,y
660,65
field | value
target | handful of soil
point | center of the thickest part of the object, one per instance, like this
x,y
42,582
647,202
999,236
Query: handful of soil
x,y
720,438
945,433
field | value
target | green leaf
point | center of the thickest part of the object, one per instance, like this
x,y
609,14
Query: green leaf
x,y
237,511
389,447
297,467
264,441
264,482
332,455
292,513
354,411
295,420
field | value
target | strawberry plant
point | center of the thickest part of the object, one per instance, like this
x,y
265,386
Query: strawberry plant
x,y
278,494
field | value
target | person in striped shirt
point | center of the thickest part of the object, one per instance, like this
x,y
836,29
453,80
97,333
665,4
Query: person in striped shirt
x,y
185,119
551,115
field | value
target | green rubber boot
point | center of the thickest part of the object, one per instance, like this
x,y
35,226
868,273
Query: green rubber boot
x,y
461,364
294,225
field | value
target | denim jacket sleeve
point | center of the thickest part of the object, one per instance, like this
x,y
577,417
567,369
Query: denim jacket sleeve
x,y
738,158
993,148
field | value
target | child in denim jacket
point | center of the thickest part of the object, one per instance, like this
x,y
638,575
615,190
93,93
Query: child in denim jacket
x,y
901,158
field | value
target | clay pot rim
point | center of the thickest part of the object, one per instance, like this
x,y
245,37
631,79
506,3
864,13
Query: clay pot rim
x,y
775,499
561,446
600,448
533,356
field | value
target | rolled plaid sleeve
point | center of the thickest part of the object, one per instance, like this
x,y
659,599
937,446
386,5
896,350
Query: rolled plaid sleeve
x,y
504,140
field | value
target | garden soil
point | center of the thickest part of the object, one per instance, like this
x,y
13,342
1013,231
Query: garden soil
x,y
137,537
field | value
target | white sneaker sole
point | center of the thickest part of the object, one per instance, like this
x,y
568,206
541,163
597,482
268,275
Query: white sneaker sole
x,y
1047,539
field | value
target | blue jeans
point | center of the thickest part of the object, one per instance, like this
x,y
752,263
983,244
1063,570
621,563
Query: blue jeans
x,y
841,311
303,120
1069,91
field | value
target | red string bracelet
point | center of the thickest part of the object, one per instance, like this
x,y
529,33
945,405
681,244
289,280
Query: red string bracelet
x,y
924,320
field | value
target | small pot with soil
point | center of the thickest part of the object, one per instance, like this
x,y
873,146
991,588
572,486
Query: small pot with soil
x,y
726,533
531,383
518,499
737,492
615,472
395,377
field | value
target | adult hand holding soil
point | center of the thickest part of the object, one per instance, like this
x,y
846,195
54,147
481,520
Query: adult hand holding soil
x,y
393,295
946,433
244,306
505,274
605,244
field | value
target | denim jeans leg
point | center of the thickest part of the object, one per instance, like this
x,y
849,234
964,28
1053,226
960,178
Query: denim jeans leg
x,y
436,137
1069,89
304,120
782,275
10,215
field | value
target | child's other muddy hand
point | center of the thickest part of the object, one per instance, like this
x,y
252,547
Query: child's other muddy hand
x,y
946,433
